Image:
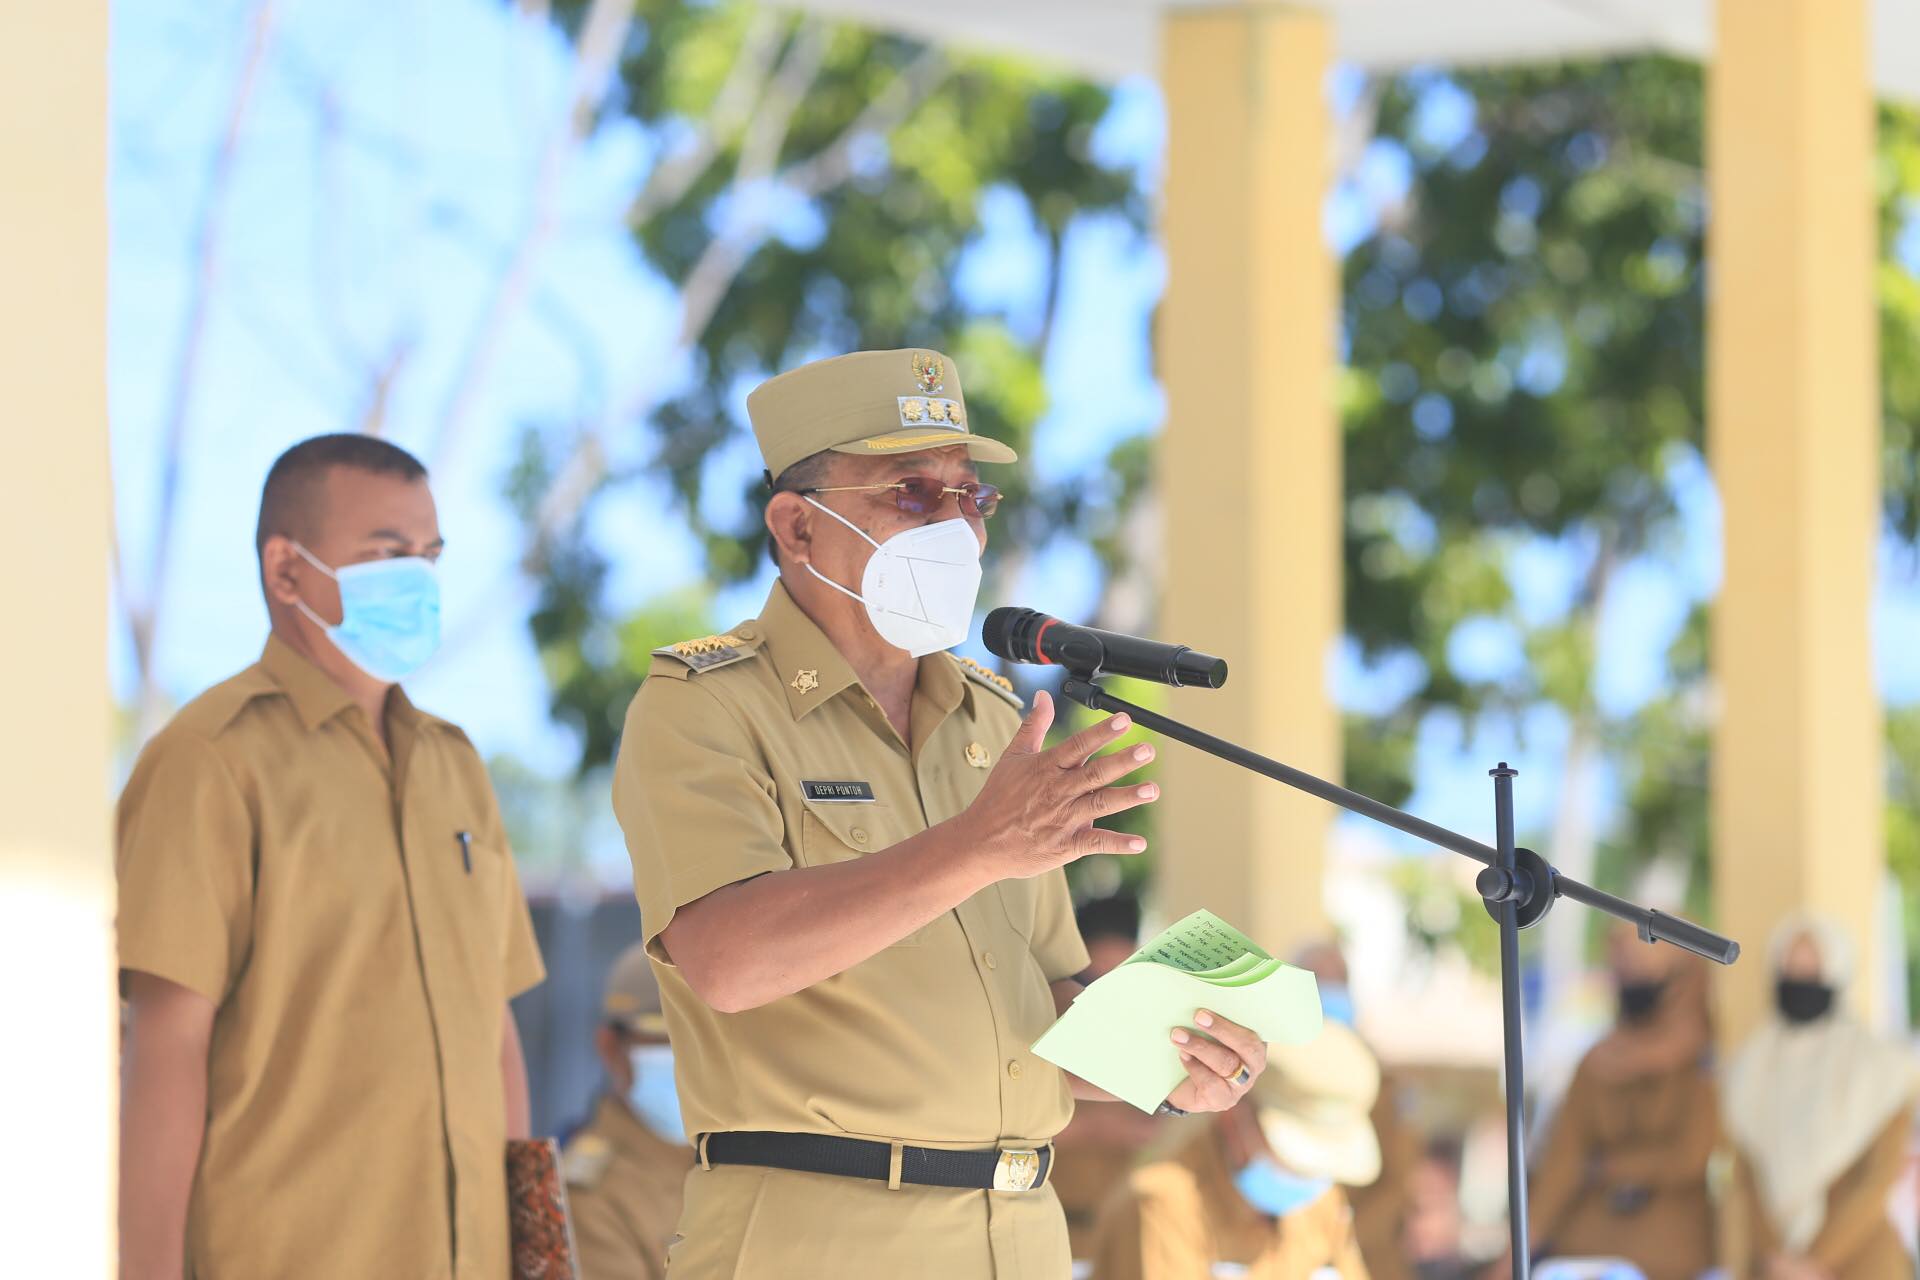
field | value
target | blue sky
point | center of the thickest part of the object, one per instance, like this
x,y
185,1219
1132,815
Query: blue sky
x,y
381,173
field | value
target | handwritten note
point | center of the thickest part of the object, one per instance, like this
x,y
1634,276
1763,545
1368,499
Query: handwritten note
x,y
1198,944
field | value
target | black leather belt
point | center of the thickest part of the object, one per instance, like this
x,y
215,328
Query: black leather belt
x,y
1015,1169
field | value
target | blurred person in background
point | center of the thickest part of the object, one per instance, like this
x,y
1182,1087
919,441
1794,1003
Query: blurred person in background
x,y
625,1167
1256,1191
1100,1145
1380,1210
1624,1171
1818,1109
321,927
1435,1226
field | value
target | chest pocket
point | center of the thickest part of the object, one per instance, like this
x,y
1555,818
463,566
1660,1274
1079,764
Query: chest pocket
x,y
1021,898
839,832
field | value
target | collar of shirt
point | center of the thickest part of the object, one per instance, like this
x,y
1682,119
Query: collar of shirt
x,y
796,643
317,699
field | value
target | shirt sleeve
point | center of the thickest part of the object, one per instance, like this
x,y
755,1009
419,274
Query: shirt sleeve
x,y
183,856
694,799
520,951
1057,944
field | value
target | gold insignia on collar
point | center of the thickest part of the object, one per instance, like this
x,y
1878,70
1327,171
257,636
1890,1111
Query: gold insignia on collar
x,y
930,372
706,644
987,673
977,756
806,681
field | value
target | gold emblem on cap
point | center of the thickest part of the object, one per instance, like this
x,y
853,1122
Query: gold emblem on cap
x,y
806,681
930,371
977,755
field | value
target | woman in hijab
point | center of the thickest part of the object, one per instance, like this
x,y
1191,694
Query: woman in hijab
x,y
1818,1108
1624,1173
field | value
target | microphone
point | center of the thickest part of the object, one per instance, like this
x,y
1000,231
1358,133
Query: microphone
x,y
1027,635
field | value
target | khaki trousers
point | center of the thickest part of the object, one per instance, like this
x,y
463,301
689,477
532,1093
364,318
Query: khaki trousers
x,y
746,1223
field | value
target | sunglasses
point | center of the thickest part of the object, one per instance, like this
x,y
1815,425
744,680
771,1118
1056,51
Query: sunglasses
x,y
923,495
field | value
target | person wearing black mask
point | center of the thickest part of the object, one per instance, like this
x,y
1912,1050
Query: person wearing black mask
x,y
1819,1109
1624,1172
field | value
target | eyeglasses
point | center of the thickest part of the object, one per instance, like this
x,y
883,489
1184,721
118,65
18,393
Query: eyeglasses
x,y
923,495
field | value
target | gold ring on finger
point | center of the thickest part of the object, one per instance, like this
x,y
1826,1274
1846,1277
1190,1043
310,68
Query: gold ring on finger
x,y
1242,1078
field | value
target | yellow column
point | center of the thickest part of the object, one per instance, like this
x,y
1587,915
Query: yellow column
x,y
1794,434
1249,463
56,875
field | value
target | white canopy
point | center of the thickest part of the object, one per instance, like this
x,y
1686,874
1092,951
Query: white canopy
x,y
1110,39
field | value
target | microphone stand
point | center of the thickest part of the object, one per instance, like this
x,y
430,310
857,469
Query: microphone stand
x,y
1518,885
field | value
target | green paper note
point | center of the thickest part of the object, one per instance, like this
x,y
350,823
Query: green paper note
x,y
1115,1034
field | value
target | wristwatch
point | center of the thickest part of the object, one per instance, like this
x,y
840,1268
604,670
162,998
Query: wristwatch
x,y
1168,1109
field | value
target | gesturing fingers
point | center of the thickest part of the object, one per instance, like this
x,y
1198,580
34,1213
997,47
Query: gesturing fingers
x,y
1092,840
1031,736
1075,751
1108,801
1115,765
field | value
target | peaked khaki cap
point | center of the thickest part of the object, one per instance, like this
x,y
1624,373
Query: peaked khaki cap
x,y
1315,1103
633,995
868,403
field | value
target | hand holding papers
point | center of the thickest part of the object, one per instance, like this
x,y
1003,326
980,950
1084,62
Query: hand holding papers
x,y
1114,1035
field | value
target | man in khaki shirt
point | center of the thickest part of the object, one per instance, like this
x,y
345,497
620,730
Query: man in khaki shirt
x,y
847,848
625,1166
1259,1191
320,927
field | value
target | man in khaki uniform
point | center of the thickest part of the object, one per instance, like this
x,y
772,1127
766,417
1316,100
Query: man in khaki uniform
x,y
320,927
847,848
1257,1192
626,1165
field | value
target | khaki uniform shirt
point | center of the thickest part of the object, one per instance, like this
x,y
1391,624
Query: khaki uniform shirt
x,y
1624,1172
272,858
720,778
1182,1219
624,1185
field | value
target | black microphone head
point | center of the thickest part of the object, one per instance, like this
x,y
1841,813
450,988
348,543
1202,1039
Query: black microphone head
x,y
1204,670
1008,633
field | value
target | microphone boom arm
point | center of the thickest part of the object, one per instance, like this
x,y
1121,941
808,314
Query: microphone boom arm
x,y
1518,886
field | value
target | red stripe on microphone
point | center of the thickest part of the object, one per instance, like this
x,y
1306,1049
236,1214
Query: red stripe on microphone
x,y
1039,654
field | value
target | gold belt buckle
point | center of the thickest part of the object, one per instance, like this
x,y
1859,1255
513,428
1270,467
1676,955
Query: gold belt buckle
x,y
1016,1170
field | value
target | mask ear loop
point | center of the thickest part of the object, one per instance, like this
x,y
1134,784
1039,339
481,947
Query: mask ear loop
x,y
851,595
301,605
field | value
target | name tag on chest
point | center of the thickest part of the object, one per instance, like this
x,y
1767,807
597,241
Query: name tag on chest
x,y
839,792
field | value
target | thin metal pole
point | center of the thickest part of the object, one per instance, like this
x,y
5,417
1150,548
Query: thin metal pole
x,y
1508,914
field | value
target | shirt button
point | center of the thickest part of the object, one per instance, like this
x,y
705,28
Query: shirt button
x,y
1013,1069
988,960
859,835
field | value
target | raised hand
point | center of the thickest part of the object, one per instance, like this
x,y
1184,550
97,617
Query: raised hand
x,y
1039,806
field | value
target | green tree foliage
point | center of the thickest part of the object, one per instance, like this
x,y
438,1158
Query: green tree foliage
x,y
1526,354
830,236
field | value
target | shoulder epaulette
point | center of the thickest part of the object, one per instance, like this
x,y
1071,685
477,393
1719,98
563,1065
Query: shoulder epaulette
x,y
990,678
585,1160
706,653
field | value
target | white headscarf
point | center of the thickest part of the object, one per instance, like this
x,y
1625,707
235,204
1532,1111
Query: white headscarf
x,y
1805,1100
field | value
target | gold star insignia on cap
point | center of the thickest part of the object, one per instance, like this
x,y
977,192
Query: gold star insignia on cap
x,y
930,371
977,756
806,681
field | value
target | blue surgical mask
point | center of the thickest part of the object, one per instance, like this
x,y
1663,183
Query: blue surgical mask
x,y
389,614
1336,1003
1275,1192
652,1094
